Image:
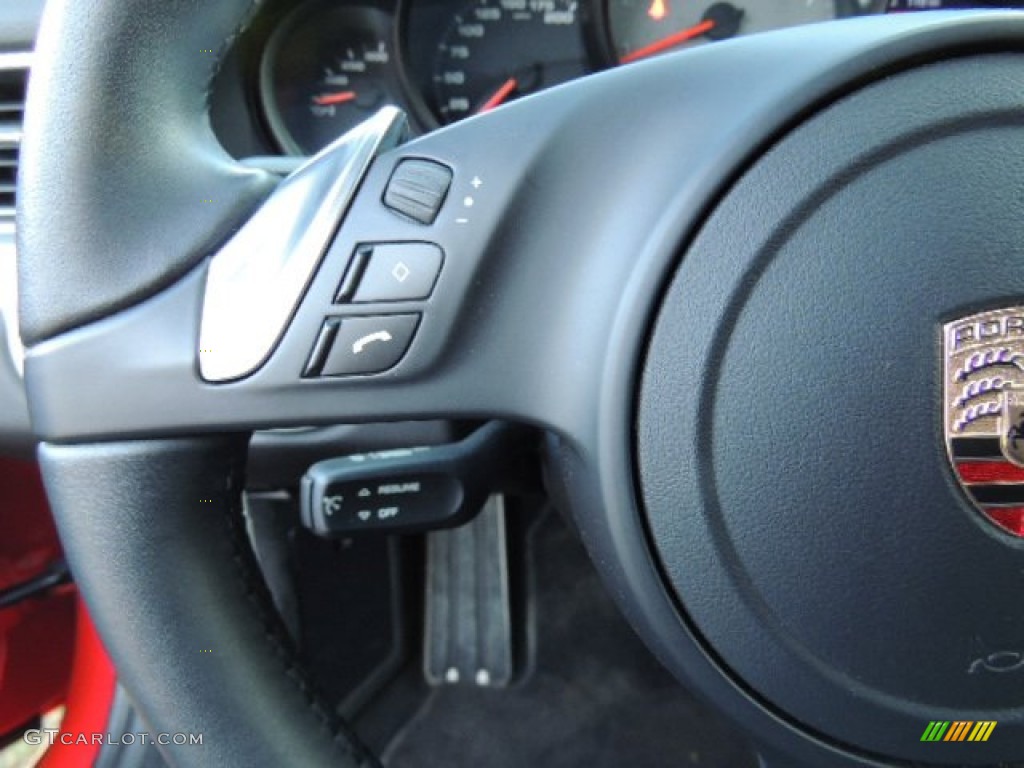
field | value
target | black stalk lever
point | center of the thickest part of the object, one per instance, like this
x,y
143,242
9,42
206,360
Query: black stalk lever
x,y
411,489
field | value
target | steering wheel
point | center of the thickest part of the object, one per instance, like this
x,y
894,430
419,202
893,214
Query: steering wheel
x,y
716,282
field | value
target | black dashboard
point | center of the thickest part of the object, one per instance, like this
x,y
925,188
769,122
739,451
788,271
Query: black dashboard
x,y
308,70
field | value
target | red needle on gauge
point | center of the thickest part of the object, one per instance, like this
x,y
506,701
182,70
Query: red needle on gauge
x,y
499,96
340,97
669,42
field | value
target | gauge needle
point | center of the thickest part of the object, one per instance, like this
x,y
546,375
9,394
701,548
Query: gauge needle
x,y
340,97
669,42
499,96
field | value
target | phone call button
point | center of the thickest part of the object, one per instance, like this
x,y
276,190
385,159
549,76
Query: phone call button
x,y
363,345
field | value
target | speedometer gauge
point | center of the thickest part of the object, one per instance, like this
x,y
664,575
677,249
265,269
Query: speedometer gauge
x,y
497,50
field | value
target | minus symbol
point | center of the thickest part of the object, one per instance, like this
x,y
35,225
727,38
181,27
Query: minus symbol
x,y
462,221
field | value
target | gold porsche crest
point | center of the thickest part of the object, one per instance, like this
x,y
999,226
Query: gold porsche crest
x,y
984,412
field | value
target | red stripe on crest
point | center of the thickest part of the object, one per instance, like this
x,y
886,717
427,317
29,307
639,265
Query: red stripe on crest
x,y
989,472
1010,518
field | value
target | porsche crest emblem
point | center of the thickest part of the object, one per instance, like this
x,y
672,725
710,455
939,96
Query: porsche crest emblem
x,y
984,412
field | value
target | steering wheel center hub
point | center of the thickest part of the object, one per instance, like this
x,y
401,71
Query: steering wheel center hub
x,y
808,519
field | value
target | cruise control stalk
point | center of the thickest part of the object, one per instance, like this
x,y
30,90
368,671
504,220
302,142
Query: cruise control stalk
x,y
414,489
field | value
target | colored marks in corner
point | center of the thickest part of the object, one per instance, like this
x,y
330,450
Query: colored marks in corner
x,y
959,730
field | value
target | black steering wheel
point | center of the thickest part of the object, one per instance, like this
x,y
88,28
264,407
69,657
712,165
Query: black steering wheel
x,y
716,282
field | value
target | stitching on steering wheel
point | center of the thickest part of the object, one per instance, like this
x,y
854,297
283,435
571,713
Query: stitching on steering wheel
x,y
255,590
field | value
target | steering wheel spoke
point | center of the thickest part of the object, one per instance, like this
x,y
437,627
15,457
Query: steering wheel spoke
x,y
377,282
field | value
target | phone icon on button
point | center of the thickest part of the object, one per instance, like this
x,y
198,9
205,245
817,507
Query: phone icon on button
x,y
361,343
357,346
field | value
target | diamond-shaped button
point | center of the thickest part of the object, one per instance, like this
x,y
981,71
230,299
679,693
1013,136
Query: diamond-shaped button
x,y
401,272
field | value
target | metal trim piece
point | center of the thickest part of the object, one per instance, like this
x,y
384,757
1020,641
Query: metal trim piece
x,y
256,281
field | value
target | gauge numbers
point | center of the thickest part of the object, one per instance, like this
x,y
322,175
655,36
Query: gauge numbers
x,y
497,50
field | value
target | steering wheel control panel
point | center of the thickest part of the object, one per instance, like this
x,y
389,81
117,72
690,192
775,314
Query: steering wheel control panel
x,y
384,273
386,242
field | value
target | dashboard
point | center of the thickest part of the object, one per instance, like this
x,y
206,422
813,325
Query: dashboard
x,y
321,66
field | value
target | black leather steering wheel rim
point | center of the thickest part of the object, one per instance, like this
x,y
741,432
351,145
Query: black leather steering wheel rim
x,y
164,519
144,178
146,191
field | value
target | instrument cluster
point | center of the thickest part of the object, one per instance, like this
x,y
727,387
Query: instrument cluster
x,y
328,64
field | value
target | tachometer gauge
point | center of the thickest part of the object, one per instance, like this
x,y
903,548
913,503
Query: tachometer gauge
x,y
327,69
497,50
643,28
